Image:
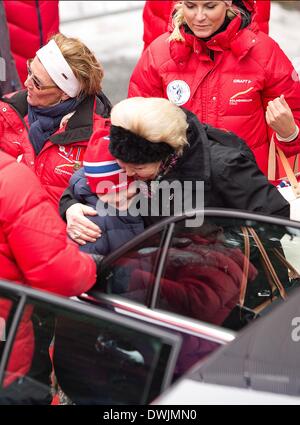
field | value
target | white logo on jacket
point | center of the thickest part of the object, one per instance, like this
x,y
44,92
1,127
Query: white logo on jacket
x,y
178,92
239,81
235,100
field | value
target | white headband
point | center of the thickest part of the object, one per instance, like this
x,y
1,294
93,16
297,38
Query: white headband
x,y
58,68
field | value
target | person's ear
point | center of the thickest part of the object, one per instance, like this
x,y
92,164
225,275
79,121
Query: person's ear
x,y
64,97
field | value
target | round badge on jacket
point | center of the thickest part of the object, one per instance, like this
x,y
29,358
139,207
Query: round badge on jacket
x,y
178,92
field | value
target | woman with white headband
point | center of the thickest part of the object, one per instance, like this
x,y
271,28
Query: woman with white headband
x,y
48,125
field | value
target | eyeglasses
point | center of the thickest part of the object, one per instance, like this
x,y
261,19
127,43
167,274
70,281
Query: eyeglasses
x,y
34,79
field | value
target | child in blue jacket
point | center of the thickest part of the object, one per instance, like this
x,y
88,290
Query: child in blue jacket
x,y
100,186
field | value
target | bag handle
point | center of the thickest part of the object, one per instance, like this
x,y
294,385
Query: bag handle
x,y
268,263
268,266
272,160
296,164
286,165
293,273
246,263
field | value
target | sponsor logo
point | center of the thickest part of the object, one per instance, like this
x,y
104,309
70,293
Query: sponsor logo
x,y
234,100
237,81
60,171
178,92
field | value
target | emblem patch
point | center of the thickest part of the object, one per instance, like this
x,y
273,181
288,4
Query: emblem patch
x,y
178,92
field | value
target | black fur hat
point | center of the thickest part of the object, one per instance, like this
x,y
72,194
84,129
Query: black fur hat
x,y
134,149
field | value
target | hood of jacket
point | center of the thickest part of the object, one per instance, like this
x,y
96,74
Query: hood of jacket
x,y
248,4
237,37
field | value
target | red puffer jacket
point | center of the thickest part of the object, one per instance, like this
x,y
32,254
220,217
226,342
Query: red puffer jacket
x,y
34,251
156,17
231,91
201,280
31,23
63,153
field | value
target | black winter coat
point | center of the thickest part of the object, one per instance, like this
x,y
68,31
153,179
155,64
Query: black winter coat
x,y
228,169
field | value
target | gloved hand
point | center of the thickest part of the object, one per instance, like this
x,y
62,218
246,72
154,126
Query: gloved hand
x,y
98,260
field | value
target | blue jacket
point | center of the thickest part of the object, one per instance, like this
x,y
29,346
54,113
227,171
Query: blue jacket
x,y
116,230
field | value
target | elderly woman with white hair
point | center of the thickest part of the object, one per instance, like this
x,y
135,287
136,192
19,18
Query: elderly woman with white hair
x,y
48,125
154,140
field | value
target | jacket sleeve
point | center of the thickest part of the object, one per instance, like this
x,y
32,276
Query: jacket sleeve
x,y
282,78
13,149
100,247
241,185
37,236
145,80
66,201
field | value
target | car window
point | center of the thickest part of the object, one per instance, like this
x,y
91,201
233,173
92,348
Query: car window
x,y
229,271
8,305
98,357
132,275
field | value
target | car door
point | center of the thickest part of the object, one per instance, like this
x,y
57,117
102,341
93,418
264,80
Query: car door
x,y
221,274
99,357
129,285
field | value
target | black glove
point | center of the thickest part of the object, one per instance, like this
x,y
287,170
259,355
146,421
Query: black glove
x,y
98,260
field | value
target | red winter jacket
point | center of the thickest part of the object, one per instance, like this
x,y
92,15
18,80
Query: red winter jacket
x,y
34,251
230,92
156,17
63,153
31,23
201,280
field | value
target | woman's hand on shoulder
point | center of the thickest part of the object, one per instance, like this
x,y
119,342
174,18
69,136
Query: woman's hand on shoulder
x,y
79,227
279,117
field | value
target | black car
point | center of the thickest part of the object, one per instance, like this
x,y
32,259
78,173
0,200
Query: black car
x,y
167,299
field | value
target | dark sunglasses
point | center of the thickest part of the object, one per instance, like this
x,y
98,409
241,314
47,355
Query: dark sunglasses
x,y
35,81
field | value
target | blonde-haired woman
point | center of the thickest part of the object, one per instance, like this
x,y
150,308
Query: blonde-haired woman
x,y
157,14
218,64
155,140
48,125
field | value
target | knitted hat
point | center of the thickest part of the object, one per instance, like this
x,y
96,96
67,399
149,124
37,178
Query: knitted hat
x,y
104,175
132,148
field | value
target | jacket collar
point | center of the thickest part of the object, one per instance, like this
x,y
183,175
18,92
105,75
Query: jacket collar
x,y
18,101
80,125
239,41
194,164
